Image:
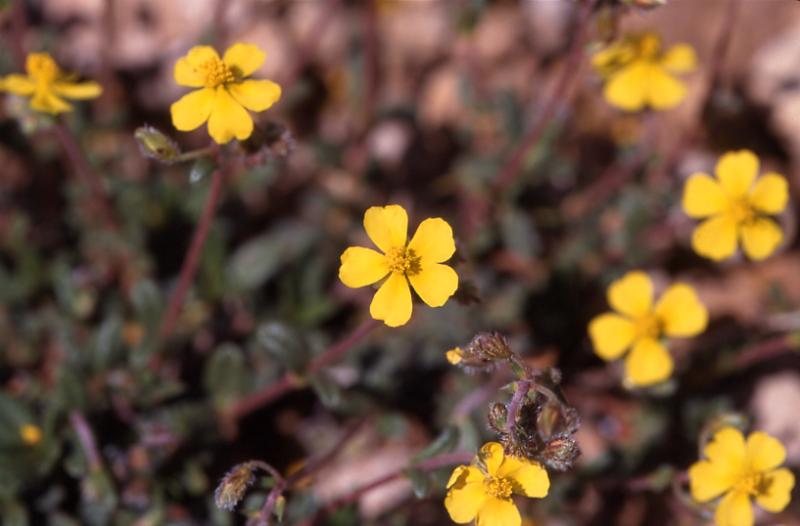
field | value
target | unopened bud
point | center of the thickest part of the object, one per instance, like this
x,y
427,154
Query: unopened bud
x,y
560,452
498,415
490,346
234,484
156,145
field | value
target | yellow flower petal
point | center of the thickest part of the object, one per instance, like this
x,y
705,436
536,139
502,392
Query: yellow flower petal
x,y
244,58
628,88
760,238
530,476
779,491
611,335
18,85
193,109
433,241
386,226
362,266
648,363
715,238
708,481
763,452
46,101
770,194
734,510
187,74
727,450
664,91
255,95
632,294
435,283
703,196
228,118
737,171
681,312
492,455
680,58
199,55
77,90
392,303
498,512
465,494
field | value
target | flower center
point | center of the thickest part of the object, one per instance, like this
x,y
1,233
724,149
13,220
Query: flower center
x,y
500,488
741,211
753,483
42,68
216,73
648,326
403,260
649,46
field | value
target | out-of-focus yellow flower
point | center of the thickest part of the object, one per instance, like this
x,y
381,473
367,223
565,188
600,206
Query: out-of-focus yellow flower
x,y
739,471
419,261
639,74
737,205
30,434
47,85
225,92
483,491
639,325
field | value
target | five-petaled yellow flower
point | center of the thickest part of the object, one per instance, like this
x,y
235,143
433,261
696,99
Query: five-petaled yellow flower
x,y
47,85
639,74
738,471
737,205
640,326
483,491
225,93
419,261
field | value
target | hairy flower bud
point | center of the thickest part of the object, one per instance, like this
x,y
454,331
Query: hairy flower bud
x,y
156,145
234,484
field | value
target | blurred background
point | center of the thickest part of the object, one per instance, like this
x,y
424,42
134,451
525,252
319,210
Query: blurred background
x,y
423,103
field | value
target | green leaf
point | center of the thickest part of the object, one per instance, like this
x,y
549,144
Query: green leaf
x,y
285,344
258,260
328,391
420,482
446,441
226,374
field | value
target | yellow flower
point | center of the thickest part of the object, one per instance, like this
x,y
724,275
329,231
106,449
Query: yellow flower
x,y
47,85
738,471
640,326
225,93
639,74
419,261
736,204
30,434
482,491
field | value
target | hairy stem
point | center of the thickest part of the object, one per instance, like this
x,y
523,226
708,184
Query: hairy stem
x,y
554,102
190,262
288,383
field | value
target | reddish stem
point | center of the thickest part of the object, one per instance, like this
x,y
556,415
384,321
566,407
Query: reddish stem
x,y
288,383
84,170
556,99
192,258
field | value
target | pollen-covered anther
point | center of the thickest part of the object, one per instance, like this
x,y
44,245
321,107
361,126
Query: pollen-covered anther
x,y
499,487
403,260
217,73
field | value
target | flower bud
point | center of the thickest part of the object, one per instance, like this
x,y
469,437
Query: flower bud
x,y
234,484
156,145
